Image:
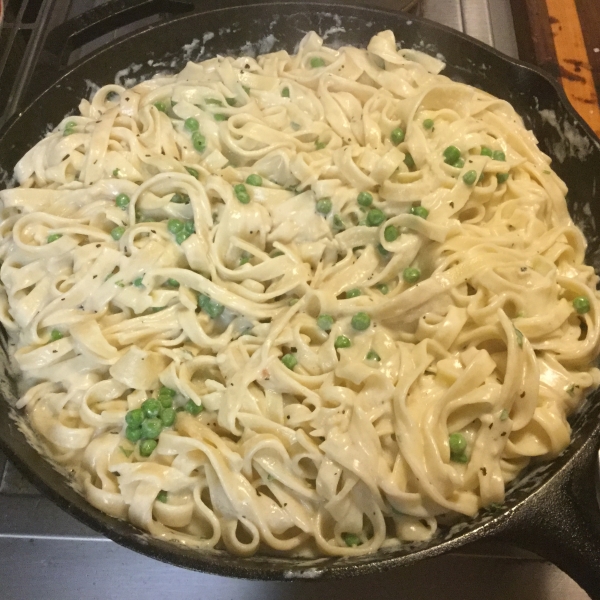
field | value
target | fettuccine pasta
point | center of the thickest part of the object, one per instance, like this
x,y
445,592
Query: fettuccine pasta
x,y
306,303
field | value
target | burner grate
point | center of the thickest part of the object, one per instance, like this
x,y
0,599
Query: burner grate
x,y
22,37
20,41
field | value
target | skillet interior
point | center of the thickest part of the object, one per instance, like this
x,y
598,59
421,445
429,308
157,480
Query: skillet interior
x,y
259,29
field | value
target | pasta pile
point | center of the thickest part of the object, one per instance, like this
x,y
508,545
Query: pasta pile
x,y
303,303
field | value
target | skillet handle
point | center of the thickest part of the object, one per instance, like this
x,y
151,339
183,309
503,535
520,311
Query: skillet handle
x,y
562,521
103,19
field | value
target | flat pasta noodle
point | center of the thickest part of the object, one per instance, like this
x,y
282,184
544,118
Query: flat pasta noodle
x,y
300,303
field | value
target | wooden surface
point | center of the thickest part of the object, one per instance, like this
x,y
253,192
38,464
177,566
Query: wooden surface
x,y
563,37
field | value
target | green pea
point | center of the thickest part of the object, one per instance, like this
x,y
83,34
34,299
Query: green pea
x,y
499,155
338,223
317,62
135,417
188,226
372,355
245,258
409,161
147,447
293,301
419,211
231,101
198,141
360,321
69,128
320,145
151,428
353,293
459,458
457,443
289,360
470,177
162,496
460,163
151,407
168,393
165,401
215,310
485,151
428,123
241,193
191,124
172,282
285,92
351,539
390,233
181,236
192,172
397,136
365,199
138,282
383,288
117,233
375,217
341,341
411,275
175,225
324,206
161,106
502,178
116,173
210,307
122,201
451,155
581,304
220,117
203,301
325,322
385,253
178,198
133,434
53,237
167,416
56,335
254,179
192,408
504,415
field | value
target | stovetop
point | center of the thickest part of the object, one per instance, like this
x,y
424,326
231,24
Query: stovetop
x,y
48,554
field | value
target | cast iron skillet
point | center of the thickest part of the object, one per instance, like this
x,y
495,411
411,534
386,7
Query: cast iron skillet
x,y
552,510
